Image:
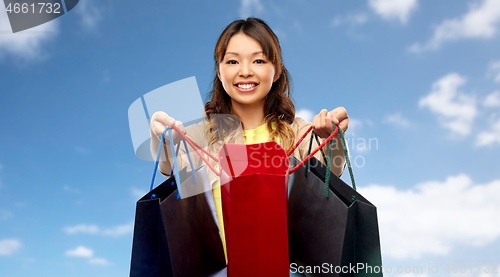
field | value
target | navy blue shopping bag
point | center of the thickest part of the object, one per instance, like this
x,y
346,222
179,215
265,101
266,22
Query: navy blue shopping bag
x,y
174,236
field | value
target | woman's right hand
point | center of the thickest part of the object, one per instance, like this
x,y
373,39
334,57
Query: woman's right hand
x,y
161,120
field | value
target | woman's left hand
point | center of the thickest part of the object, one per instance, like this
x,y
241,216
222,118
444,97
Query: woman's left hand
x,y
322,122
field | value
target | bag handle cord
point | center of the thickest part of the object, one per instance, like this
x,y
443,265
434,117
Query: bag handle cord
x,y
329,158
175,167
335,130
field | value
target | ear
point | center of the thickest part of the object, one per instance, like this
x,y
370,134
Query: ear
x,y
277,74
276,77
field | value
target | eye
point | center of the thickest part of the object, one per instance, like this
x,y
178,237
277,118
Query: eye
x,y
231,62
260,61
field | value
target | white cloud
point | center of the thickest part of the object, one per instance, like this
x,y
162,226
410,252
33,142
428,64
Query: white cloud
x,y
9,246
479,22
80,251
119,230
82,228
437,216
89,13
82,150
305,114
455,110
492,100
138,193
28,44
356,124
99,261
71,189
4,214
95,230
494,70
490,137
352,19
250,8
84,252
394,9
397,119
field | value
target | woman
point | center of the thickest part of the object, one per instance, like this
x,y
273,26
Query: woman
x,y
249,103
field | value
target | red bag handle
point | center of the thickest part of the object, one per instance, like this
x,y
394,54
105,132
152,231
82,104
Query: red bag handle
x,y
334,132
196,146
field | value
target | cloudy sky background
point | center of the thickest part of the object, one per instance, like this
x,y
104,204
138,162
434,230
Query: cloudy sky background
x,y
420,80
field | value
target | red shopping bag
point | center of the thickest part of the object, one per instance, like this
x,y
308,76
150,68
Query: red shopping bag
x,y
254,186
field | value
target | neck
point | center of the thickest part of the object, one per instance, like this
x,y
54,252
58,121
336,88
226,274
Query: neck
x,y
251,116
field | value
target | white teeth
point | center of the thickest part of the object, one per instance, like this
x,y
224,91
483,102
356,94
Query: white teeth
x,y
246,86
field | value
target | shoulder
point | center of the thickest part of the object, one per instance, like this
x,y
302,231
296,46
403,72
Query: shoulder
x,y
196,131
300,122
299,126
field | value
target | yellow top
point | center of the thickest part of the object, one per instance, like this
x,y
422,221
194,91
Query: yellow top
x,y
257,135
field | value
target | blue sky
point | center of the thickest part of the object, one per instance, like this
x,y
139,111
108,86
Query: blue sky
x,y
420,79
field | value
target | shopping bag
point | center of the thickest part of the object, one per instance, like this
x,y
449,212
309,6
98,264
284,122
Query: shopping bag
x,y
254,205
339,231
189,187
176,236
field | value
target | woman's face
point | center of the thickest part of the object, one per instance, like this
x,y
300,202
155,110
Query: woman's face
x,y
247,75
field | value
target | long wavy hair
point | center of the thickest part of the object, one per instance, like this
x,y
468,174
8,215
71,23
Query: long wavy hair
x,y
278,107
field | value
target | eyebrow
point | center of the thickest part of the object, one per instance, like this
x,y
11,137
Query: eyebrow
x,y
255,53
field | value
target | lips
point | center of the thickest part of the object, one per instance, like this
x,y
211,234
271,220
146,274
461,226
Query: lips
x,y
246,86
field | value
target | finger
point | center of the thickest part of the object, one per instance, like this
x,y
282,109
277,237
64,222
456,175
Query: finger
x,y
315,121
331,116
161,120
343,118
180,126
316,125
341,113
170,121
321,119
344,124
334,115
328,125
320,124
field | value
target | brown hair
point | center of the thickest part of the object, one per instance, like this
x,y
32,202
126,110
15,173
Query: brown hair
x,y
278,107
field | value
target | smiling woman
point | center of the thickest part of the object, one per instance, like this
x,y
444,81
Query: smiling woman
x,y
248,52
247,76
250,103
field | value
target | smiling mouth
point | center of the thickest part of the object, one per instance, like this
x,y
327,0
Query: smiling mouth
x,y
246,86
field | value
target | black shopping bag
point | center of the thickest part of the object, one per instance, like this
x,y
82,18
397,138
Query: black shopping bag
x,y
176,237
338,235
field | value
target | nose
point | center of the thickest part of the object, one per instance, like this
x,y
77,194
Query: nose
x,y
245,70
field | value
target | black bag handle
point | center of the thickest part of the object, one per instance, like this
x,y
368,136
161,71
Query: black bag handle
x,y
329,159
